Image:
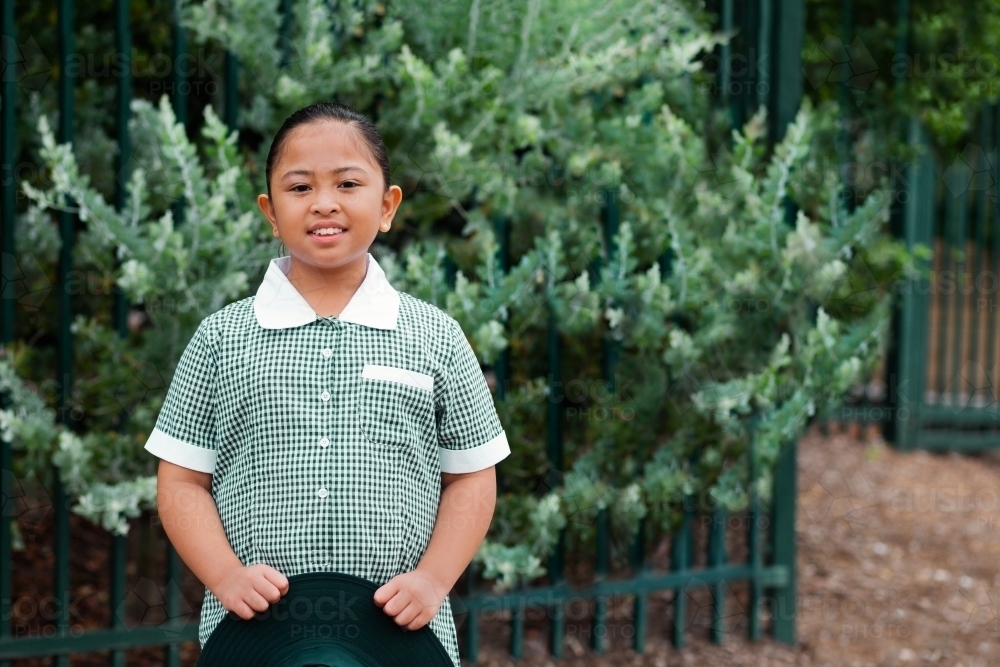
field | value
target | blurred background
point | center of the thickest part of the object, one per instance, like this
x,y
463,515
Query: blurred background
x,y
730,268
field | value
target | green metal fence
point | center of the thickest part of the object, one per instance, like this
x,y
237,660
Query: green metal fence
x,y
946,360
942,369
774,28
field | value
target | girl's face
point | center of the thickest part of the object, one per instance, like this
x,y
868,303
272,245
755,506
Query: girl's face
x,y
327,199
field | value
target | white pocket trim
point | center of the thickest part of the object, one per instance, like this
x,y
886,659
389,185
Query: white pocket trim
x,y
402,375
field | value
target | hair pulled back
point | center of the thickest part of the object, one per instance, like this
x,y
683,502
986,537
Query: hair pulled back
x,y
335,111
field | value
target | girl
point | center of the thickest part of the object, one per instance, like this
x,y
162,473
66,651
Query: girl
x,y
330,422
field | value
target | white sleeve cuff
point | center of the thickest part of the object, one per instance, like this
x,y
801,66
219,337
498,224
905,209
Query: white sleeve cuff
x,y
181,453
475,458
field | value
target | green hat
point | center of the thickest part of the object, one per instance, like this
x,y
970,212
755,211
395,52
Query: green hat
x,y
325,618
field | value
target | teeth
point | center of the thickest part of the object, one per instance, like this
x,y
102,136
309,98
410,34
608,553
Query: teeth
x,y
327,231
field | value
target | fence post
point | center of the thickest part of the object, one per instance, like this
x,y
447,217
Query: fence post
x,y
67,220
7,120
908,358
783,542
555,455
123,46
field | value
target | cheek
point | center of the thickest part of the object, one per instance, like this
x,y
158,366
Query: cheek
x,y
290,206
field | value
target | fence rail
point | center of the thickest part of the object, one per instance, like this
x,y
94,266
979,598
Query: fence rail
x,y
774,28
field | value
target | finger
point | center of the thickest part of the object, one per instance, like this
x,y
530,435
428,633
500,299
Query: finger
x,y
410,612
243,610
397,603
386,592
255,600
267,590
420,621
279,580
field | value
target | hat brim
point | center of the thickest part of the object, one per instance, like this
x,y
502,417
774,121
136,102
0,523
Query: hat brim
x,y
322,614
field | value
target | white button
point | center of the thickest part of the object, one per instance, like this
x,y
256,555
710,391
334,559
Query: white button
x,y
325,396
327,352
324,442
321,493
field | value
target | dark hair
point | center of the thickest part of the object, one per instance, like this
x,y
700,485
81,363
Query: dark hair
x,y
368,135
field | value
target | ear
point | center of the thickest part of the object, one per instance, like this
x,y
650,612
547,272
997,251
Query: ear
x,y
264,204
390,202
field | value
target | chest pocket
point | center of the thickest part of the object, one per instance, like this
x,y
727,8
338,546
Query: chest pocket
x,y
395,406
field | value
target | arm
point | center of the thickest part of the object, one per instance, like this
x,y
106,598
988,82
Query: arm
x,y
464,515
191,520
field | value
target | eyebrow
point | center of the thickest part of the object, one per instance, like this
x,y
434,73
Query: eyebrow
x,y
307,172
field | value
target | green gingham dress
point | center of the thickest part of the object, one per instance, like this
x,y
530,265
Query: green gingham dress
x,y
327,436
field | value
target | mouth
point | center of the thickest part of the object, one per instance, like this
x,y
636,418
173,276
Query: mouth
x,y
324,232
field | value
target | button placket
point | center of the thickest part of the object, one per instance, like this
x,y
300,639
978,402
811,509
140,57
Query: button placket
x,y
326,353
325,396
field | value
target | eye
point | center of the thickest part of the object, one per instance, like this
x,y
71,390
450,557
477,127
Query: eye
x,y
351,183
300,185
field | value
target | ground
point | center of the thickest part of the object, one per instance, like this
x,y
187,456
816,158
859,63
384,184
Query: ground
x,y
897,560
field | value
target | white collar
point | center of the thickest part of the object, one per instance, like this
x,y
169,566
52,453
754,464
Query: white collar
x,y
278,305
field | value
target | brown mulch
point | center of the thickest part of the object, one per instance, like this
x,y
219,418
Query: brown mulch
x,y
897,557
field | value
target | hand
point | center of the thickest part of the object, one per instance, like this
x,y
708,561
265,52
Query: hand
x,y
247,590
412,599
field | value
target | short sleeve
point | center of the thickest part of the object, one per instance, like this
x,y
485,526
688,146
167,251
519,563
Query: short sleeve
x,y
470,436
185,432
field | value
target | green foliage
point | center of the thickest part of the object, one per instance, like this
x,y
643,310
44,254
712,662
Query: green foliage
x,y
728,322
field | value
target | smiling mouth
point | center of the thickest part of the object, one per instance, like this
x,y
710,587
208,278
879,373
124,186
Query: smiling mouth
x,y
327,231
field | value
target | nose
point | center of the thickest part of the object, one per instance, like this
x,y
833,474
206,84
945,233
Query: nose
x,y
325,202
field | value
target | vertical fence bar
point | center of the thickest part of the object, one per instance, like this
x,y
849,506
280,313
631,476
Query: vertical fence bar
x,y
123,47
785,84
753,546
726,51
716,559
285,32
910,356
501,369
994,217
785,98
180,85
959,212
517,630
554,449
974,362
8,90
180,59
640,609
600,573
609,363
898,430
844,136
783,542
65,354
943,261
179,52
764,45
680,561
